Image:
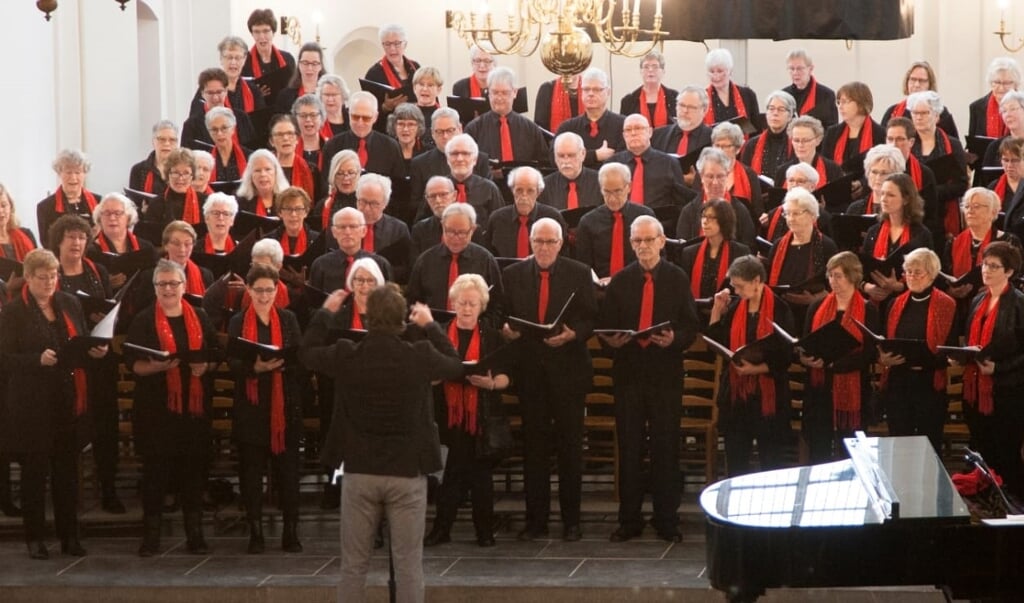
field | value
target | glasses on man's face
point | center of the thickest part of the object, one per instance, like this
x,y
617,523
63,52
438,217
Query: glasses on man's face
x,y
357,117
445,131
776,109
221,129
168,284
262,290
643,240
451,232
992,266
688,107
369,204
545,242
437,196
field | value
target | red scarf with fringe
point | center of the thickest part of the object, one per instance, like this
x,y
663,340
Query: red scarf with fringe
x,y
962,260
941,309
300,243
740,181
881,249
461,398
978,387
698,266
867,137
254,60
660,109
743,387
252,389
737,101
560,108
173,376
845,386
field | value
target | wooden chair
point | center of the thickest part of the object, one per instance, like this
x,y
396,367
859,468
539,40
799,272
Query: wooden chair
x,y
699,423
600,442
955,434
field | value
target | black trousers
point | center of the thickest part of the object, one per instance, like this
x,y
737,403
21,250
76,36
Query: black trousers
x,y
253,460
745,424
464,472
552,417
913,407
188,473
647,423
105,417
61,466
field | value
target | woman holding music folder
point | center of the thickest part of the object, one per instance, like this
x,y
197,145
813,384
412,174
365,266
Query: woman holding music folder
x,y
116,246
796,262
69,238
837,385
171,348
464,408
267,414
753,398
913,383
899,229
45,399
708,261
962,255
993,378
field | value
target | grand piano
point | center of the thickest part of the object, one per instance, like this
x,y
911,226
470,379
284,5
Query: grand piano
x,y
887,516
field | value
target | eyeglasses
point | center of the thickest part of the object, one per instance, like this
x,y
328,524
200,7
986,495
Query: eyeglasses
x,y
802,140
689,107
466,303
397,44
436,196
880,173
545,242
368,203
263,290
632,129
592,90
918,80
500,92
458,153
975,207
219,213
643,240
180,243
714,177
483,61
991,266
221,129
794,213
650,67
181,175
233,58
896,139
355,117
771,109
308,116
112,213
166,139
920,113
299,209
220,92
445,131
450,232
346,173
284,135
406,124
915,273
843,101
614,192
314,64
1002,83
168,284
364,280
45,278
801,182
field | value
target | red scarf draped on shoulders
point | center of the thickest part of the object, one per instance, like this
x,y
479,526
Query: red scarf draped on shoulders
x,y
461,397
742,387
301,242
21,242
697,275
845,386
240,162
194,284
389,71
737,101
740,181
962,260
866,140
250,331
810,101
560,108
899,109
90,200
254,60
782,247
941,309
995,127
190,209
325,213
881,249
173,376
229,245
474,88
660,117
302,176
107,247
978,387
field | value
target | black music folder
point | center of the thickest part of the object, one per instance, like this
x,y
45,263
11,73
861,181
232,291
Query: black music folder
x,y
689,160
829,343
228,187
836,193
381,91
854,166
9,267
247,221
642,334
971,277
468,108
542,330
75,352
893,263
755,352
915,351
277,80
945,168
237,260
815,284
979,145
154,354
128,263
248,351
848,230
497,359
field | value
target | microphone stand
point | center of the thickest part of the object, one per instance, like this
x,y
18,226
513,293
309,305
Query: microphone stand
x,y
975,459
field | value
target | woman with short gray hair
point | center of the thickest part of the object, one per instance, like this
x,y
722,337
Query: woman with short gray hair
x,y
930,144
728,99
71,196
394,68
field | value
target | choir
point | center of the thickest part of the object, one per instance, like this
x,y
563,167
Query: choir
x,y
766,228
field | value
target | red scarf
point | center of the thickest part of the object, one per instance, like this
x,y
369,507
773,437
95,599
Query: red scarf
x,y
780,255
941,309
239,160
90,200
254,60
357,320
560,109
773,223
962,260
881,250
300,149
300,243
869,205
845,386
698,266
740,181
900,109
819,166
248,101
229,245
194,284
147,186
742,387
190,210
460,397
978,387
915,171
21,242
326,133
737,101
281,299
811,100
660,110
389,73
252,389
757,158
325,214
474,88
195,343
81,385
867,137
1001,185
302,176
107,247
995,127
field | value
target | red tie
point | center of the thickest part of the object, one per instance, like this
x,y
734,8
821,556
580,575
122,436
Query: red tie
x,y
684,143
646,308
368,239
616,259
542,299
638,182
362,152
460,195
523,240
348,264
506,140
453,273
572,201
593,129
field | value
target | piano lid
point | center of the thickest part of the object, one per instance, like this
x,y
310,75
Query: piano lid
x,y
833,494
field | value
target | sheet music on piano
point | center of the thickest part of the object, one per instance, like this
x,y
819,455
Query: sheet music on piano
x,y
864,456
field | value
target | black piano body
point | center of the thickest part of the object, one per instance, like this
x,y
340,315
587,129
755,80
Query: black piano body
x,y
889,516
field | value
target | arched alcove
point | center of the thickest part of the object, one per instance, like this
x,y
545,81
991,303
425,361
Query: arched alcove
x,y
353,55
150,72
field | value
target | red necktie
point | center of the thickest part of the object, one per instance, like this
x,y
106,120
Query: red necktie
x,y
506,140
348,264
368,239
362,152
638,182
616,260
523,240
684,143
572,201
453,273
542,299
460,195
646,308
593,129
